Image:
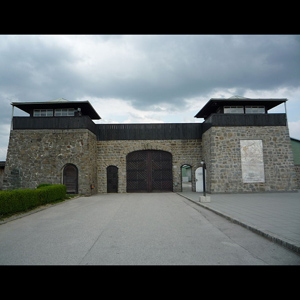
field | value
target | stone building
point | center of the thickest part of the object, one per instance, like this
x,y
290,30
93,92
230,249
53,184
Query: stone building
x,y
242,146
296,152
247,149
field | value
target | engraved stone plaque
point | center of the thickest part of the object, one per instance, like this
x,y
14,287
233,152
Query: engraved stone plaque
x,y
252,161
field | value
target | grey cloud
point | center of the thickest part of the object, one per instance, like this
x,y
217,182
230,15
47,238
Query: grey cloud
x,y
169,69
148,70
178,67
34,71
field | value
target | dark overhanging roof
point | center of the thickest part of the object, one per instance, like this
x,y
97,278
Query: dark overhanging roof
x,y
214,103
86,107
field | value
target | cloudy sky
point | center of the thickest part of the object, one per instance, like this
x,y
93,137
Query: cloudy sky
x,y
148,78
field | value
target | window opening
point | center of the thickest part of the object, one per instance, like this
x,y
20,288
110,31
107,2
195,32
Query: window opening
x,y
43,113
255,110
65,112
233,109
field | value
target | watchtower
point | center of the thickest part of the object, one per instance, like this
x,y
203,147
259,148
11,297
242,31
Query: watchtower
x,y
55,144
246,148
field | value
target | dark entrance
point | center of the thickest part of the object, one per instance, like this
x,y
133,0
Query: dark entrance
x,y
112,179
149,171
70,179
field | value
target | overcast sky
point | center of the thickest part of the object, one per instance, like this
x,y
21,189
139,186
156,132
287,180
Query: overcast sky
x,y
148,78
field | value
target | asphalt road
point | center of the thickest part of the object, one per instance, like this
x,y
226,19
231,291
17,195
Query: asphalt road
x,y
134,229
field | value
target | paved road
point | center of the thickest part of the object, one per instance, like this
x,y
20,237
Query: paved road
x,y
134,229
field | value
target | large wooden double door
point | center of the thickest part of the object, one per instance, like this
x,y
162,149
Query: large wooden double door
x,y
149,171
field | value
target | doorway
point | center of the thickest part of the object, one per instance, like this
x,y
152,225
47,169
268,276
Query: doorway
x,y
186,178
149,171
70,179
199,179
112,179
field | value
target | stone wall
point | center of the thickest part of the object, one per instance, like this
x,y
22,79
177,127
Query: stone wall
x,y
115,152
39,156
222,154
1,177
297,169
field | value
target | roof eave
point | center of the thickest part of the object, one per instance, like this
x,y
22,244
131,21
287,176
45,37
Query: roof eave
x,y
26,105
207,109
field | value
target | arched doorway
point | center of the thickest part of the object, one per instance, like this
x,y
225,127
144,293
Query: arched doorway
x,y
112,179
149,171
70,178
199,179
186,178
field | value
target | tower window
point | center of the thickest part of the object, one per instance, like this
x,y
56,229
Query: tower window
x,y
233,109
43,113
65,112
255,109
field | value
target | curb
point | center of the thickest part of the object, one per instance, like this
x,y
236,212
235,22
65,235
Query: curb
x,y
272,237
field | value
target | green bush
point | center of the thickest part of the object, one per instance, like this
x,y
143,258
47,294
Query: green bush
x,y
23,199
43,185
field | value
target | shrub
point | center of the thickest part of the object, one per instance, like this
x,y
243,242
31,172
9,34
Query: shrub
x,y
23,199
43,185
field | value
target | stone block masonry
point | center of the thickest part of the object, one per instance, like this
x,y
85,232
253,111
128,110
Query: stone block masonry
x,y
245,152
39,156
297,168
114,153
222,154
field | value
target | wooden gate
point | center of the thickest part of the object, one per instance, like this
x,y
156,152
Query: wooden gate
x,y
112,179
70,179
149,171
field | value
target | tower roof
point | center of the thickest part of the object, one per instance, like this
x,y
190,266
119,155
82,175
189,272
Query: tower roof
x,y
85,106
214,103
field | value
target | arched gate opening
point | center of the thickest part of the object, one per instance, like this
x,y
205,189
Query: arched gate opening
x,y
149,171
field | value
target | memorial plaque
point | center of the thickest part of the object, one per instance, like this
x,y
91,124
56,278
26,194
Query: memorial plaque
x,y
252,161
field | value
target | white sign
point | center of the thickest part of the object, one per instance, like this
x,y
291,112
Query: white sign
x,y
252,161
199,179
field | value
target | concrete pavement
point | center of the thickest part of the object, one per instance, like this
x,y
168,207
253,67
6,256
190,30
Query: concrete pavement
x,y
134,229
273,215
